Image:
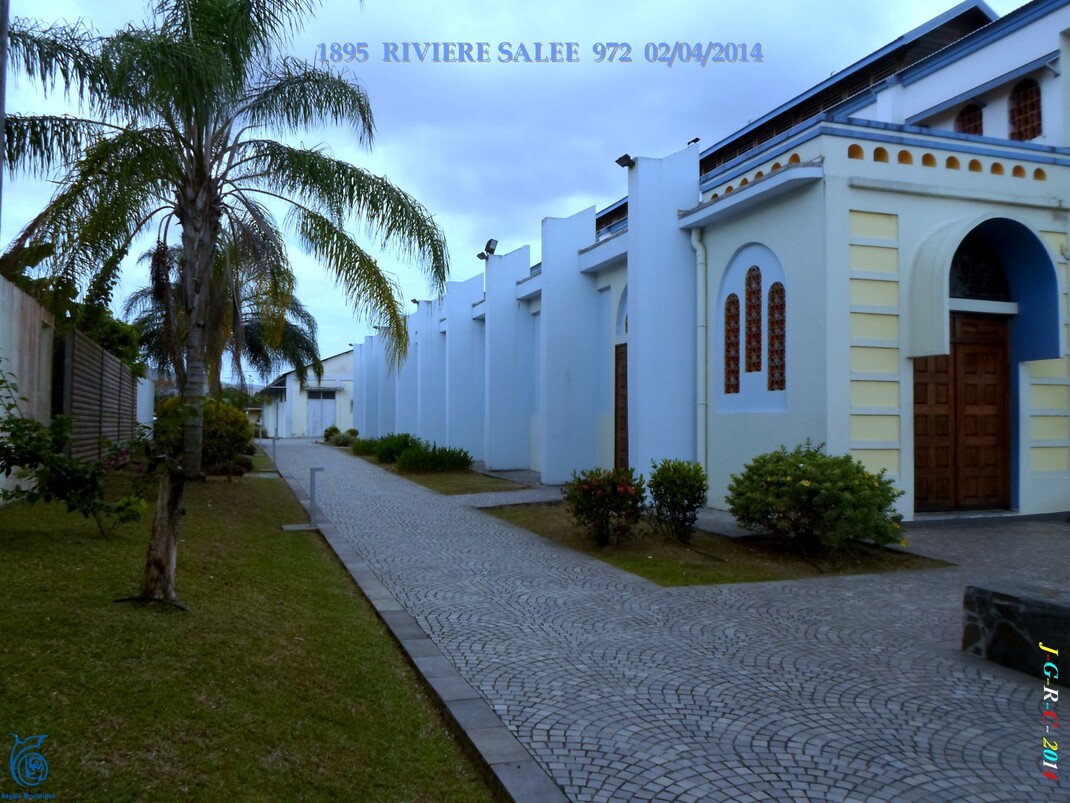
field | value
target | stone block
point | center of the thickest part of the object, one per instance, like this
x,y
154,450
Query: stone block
x,y
1006,624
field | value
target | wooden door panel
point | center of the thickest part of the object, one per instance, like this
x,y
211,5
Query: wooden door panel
x,y
933,428
620,407
961,415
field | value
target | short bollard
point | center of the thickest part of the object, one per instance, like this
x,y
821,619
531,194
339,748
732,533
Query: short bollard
x,y
312,493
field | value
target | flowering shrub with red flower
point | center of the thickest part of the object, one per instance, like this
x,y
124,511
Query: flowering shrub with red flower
x,y
607,502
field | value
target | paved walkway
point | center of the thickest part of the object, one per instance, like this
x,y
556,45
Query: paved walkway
x,y
845,688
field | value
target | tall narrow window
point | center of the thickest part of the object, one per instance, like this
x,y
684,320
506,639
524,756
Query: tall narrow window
x,y
970,120
1025,110
777,369
731,344
754,319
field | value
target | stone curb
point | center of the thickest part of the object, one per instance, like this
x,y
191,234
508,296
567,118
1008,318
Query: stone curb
x,y
510,767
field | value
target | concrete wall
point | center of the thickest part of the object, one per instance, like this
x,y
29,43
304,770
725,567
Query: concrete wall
x,y
26,336
290,418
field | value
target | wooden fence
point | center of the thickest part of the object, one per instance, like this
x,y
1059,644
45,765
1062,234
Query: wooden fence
x,y
99,393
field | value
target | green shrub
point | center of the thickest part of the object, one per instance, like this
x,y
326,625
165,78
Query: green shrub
x,y
227,434
814,502
421,457
677,490
341,439
364,446
330,432
606,502
390,446
352,433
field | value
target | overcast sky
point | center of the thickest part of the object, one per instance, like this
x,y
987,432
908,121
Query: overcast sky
x,y
493,148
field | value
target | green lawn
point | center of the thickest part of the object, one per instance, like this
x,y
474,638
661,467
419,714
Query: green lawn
x,y
280,683
451,483
711,558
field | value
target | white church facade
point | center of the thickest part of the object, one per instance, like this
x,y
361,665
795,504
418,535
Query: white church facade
x,y
879,265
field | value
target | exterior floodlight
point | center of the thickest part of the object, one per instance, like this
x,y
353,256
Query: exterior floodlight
x,y
490,246
692,141
626,161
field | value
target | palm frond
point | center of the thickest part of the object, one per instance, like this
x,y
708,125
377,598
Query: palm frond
x,y
372,293
292,96
39,144
64,54
341,191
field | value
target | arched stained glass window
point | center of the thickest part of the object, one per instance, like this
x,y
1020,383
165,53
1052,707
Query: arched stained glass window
x,y
731,344
754,319
777,368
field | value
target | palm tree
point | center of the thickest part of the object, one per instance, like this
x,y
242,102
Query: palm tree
x,y
255,318
180,112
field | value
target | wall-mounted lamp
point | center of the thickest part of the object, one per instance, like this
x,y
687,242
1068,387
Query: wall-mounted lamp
x,y
488,249
626,161
692,141
414,301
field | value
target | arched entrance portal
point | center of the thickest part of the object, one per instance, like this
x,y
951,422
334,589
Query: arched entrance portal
x,y
1000,294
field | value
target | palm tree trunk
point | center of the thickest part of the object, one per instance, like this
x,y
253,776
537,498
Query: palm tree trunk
x,y
159,580
193,396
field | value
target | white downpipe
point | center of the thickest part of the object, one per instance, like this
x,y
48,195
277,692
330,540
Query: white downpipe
x,y
701,366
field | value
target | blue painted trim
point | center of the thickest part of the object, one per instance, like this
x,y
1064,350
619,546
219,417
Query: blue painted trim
x,y
896,135
981,38
612,206
848,72
988,86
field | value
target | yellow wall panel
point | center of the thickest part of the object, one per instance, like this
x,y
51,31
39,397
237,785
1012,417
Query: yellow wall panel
x,y
874,428
877,459
870,293
874,258
874,327
1056,242
1049,428
865,393
874,224
1051,397
866,360
1048,369
1050,458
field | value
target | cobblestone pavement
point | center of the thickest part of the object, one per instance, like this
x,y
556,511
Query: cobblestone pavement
x,y
845,688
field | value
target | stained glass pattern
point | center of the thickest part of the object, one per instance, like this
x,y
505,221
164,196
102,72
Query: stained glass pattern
x,y
1025,111
777,369
970,120
754,320
731,344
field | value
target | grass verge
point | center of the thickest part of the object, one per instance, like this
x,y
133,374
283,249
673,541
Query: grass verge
x,y
712,558
279,684
451,483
